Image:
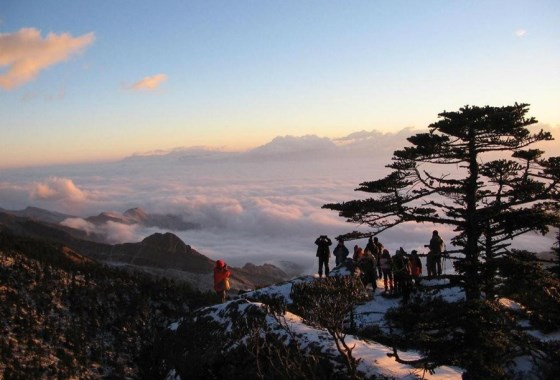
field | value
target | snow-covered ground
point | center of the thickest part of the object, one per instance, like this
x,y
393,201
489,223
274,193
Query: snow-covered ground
x,y
374,358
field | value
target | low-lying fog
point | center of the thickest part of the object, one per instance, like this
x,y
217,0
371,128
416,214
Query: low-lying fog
x,y
259,206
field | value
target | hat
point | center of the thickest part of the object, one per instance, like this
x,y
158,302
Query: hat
x,y
220,264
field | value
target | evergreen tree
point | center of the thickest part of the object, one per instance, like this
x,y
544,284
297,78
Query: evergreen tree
x,y
475,171
555,268
458,174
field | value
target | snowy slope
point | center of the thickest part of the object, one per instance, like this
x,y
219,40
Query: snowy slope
x,y
374,358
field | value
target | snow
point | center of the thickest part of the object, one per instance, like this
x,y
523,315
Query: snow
x,y
515,306
554,336
375,359
172,375
174,326
510,304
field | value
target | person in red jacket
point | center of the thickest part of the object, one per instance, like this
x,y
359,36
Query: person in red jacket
x,y
415,264
415,268
221,279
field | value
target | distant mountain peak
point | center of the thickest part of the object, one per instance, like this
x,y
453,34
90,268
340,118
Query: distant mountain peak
x,y
108,216
167,241
137,213
37,213
290,144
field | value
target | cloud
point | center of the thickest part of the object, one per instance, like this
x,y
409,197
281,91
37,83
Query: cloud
x,y
248,209
120,233
149,83
26,53
520,33
113,232
56,188
79,224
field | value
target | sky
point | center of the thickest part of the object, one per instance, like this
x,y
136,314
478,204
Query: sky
x,y
95,81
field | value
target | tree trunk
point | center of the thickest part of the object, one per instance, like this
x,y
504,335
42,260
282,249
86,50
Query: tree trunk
x,y
472,231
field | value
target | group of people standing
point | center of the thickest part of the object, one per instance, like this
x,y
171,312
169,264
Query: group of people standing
x,y
399,272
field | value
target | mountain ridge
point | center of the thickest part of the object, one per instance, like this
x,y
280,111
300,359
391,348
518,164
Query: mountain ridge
x,y
155,253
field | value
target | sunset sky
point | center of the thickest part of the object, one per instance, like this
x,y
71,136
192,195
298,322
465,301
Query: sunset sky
x,y
99,80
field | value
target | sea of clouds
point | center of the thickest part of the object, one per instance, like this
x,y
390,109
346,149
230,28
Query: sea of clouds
x,y
258,206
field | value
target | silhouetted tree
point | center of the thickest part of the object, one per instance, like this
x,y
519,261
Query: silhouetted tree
x,y
456,174
555,267
459,174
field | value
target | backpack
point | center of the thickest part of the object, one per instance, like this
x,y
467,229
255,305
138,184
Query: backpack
x,y
401,264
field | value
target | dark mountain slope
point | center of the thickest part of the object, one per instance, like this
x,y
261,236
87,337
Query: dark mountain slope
x,y
63,316
40,214
158,251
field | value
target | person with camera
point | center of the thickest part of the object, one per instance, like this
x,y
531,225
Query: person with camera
x,y
323,253
221,279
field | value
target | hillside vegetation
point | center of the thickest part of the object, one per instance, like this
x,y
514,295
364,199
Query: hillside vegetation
x,y
64,316
335,328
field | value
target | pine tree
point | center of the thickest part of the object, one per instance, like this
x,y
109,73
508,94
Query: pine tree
x,y
457,174
555,268
475,171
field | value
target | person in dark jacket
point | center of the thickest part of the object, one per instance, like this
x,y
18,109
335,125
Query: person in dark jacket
x,y
368,269
436,250
377,253
386,268
340,252
401,274
372,247
323,253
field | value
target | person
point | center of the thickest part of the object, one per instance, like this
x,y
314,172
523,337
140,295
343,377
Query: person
x,y
323,253
436,249
430,264
221,279
415,266
368,270
386,263
340,252
371,247
358,253
378,255
401,274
